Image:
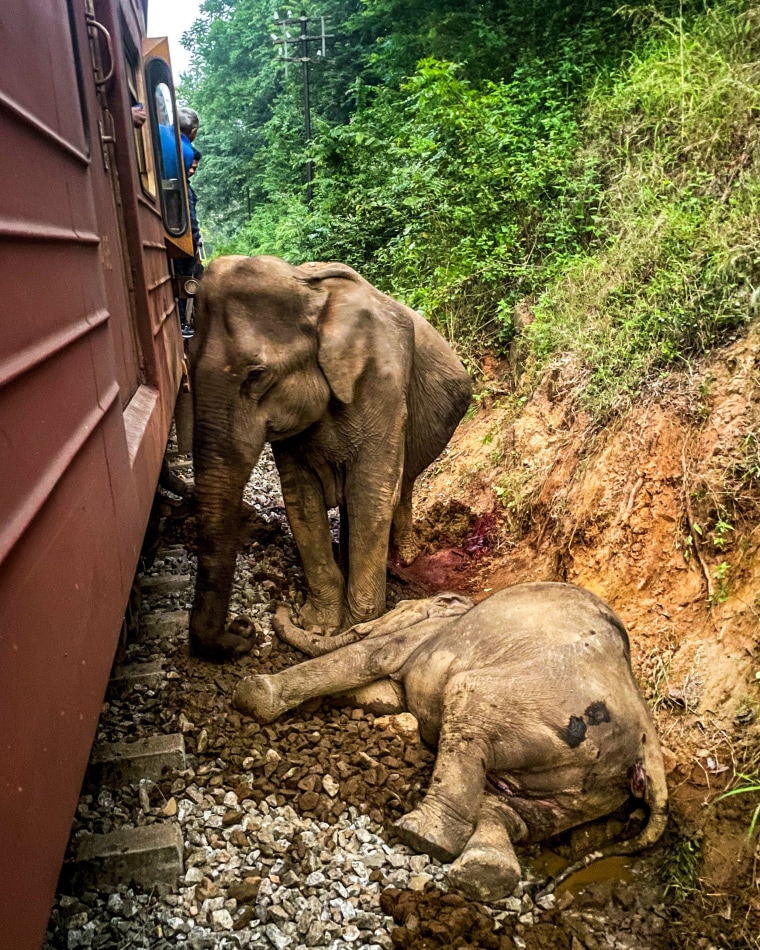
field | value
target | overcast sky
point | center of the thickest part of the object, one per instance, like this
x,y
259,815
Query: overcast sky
x,y
172,18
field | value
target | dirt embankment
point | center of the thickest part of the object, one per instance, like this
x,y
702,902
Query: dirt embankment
x,y
659,513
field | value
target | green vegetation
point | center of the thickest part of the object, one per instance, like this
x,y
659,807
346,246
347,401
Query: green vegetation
x,y
680,868
597,168
671,132
748,785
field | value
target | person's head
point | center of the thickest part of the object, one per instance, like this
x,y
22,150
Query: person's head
x,y
188,122
194,167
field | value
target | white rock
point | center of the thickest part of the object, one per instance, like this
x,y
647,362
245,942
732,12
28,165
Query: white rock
x,y
417,882
221,920
345,908
398,860
277,938
330,786
513,905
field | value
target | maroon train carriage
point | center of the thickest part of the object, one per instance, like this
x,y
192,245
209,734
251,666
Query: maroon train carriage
x,y
91,209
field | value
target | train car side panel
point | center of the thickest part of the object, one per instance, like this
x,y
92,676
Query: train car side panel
x,y
88,379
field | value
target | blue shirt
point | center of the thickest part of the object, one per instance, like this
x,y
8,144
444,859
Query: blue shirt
x,y
168,151
187,152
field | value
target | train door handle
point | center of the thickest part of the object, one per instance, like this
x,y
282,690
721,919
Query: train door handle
x,y
94,26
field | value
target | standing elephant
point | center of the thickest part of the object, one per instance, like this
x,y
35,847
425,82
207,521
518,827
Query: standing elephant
x,y
357,394
528,698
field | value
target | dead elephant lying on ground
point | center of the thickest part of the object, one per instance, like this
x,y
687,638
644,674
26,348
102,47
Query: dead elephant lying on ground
x,y
530,701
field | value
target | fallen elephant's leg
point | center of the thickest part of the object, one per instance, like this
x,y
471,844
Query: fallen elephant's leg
x,y
358,664
267,697
488,869
444,822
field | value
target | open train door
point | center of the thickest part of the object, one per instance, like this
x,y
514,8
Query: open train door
x,y
178,241
153,190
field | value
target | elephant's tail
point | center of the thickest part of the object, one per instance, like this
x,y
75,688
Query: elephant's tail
x,y
648,782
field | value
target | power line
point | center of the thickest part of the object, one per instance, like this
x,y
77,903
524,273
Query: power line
x,y
301,43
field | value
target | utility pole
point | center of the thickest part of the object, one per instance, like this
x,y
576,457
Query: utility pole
x,y
301,41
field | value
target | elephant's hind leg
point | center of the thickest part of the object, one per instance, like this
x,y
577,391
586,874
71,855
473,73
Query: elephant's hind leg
x,y
488,869
403,537
443,824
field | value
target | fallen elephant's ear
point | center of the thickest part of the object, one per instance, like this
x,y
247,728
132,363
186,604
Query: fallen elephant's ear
x,y
344,344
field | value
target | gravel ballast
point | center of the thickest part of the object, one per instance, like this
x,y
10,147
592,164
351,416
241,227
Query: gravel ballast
x,y
287,828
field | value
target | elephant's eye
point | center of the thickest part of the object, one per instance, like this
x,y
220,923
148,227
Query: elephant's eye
x,y
254,374
253,378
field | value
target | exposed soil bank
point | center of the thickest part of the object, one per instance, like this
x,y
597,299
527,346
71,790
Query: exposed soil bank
x,y
658,514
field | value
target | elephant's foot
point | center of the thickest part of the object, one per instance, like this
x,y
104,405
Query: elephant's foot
x,y
257,696
434,831
487,869
485,874
316,618
235,642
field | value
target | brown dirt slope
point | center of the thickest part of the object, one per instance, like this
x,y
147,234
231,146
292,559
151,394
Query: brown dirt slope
x,y
658,514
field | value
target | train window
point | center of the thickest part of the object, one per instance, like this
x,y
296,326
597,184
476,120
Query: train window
x,y
136,88
166,146
80,77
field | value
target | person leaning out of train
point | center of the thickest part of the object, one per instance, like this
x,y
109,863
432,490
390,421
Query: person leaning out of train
x,y
192,199
188,127
182,267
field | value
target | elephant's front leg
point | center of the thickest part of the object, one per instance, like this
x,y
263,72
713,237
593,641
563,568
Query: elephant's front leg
x,y
372,493
325,608
266,697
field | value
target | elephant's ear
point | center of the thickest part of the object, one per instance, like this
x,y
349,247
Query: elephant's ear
x,y
345,330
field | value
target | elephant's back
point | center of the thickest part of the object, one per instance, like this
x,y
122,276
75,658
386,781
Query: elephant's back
x,y
547,613
549,629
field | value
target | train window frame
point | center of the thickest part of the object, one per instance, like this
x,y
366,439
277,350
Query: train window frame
x,y
137,95
157,74
81,89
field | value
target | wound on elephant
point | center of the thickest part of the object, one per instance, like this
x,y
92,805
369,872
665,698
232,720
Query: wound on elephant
x,y
575,732
597,713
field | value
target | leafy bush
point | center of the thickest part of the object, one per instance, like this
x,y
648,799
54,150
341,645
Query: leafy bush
x,y
672,135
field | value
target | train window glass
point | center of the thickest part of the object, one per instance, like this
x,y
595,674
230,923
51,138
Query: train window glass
x,y
136,88
166,146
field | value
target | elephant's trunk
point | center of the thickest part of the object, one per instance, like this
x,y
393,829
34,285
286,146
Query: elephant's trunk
x,y
223,465
313,644
406,614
